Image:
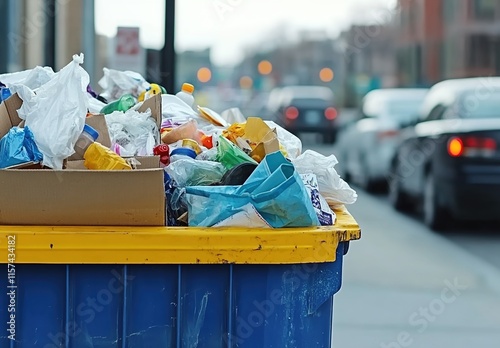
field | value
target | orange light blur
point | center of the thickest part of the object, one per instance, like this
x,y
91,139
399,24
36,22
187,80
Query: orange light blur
x,y
455,147
246,82
326,75
265,67
204,75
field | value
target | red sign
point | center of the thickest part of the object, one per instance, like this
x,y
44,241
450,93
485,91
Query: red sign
x,y
127,41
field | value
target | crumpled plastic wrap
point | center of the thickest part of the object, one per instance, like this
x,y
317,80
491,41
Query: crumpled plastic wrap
x,y
136,133
331,186
190,172
118,83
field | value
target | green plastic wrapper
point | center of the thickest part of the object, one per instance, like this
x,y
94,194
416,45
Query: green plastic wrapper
x,y
231,155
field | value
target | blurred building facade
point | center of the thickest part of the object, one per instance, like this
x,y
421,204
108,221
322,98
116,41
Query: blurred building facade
x,y
441,39
46,32
370,60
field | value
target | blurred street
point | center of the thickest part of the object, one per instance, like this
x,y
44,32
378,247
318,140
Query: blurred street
x,y
396,276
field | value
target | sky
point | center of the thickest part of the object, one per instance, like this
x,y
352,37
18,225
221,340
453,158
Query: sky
x,y
231,26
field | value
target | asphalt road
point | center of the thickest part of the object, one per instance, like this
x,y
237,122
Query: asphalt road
x,y
407,286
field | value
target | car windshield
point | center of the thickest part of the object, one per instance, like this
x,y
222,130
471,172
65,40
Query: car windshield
x,y
474,106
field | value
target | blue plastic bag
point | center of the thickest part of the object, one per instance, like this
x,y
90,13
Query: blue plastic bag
x,y
275,189
17,147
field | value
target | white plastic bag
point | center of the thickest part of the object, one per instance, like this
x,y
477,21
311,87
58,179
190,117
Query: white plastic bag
x,y
56,113
290,142
331,186
137,133
33,78
117,83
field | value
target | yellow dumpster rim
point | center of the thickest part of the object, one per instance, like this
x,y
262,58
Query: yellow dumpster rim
x,y
175,245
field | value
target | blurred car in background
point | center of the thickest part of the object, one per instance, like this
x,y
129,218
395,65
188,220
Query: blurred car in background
x,y
448,164
305,109
366,146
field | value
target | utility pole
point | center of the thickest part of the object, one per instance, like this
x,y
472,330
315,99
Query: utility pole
x,y
4,32
50,34
167,60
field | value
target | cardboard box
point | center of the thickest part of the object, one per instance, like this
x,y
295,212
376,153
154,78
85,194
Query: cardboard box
x,y
76,196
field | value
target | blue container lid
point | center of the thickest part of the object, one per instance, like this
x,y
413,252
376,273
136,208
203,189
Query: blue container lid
x,y
91,131
183,151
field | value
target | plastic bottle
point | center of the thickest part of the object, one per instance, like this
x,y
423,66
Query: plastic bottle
x,y
99,157
123,104
88,136
186,94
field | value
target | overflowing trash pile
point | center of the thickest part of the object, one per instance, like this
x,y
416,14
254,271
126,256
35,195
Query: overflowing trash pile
x,y
219,170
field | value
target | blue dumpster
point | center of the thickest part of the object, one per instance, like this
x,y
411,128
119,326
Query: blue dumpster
x,y
99,287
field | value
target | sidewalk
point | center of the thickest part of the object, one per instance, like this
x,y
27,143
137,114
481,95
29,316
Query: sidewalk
x,y
405,286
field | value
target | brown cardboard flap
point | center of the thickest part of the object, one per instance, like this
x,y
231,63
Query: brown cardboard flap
x,y
5,124
13,104
154,104
98,122
28,165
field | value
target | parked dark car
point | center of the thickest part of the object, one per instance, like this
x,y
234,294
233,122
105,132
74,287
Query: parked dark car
x,y
448,164
305,109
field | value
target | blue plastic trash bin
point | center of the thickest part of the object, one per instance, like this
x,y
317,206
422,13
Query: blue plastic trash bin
x,y
86,287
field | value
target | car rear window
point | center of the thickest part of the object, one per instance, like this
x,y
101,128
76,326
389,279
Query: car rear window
x,y
476,106
403,111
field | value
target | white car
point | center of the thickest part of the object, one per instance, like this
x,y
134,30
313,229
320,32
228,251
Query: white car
x,y
366,147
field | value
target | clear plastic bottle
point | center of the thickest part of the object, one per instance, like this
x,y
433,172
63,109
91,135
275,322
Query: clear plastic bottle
x,y
88,136
186,94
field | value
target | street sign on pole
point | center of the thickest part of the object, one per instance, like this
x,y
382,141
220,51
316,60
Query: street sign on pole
x,y
128,53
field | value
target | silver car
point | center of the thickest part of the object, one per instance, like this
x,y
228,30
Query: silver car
x,y
366,146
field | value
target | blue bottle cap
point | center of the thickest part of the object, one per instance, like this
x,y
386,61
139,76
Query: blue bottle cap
x,y
184,152
91,131
5,93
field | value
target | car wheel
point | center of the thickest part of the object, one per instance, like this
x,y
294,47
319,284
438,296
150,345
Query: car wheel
x,y
397,197
435,216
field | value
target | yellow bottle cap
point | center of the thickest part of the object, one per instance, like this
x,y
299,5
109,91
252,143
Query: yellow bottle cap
x,y
188,88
